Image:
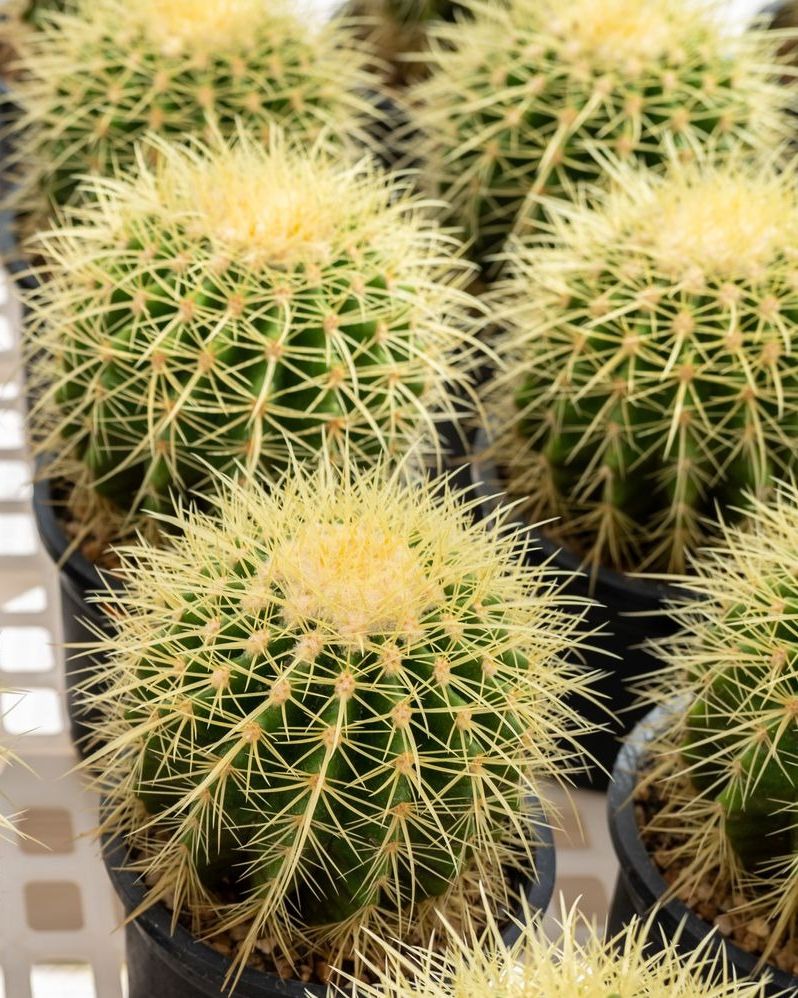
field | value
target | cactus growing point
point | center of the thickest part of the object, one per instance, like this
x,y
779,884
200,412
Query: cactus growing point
x,y
334,698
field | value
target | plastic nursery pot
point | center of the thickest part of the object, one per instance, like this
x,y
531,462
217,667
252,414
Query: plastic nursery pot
x,y
630,610
640,886
170,964
81,619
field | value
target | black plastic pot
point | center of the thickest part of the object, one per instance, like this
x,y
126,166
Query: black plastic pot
x,y
81,619
640,887
630,609
163,964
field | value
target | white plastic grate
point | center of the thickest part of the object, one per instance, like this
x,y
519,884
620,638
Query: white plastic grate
x,y
57,909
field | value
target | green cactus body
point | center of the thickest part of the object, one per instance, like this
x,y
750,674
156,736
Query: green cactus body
x,y
237,307
548,92
651,373
98,78
741,735
727,765
334,698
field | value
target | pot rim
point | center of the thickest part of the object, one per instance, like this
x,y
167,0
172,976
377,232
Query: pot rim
x,y
633,857
156,921
77,567
489,486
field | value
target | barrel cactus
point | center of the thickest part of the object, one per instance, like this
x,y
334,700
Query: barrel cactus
x,y
99,76
726,762
240,304
334,699
547,91
651,371
576,962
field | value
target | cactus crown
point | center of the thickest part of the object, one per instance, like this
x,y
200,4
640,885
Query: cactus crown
x,y
240,304
178,26
549,91
100,76
336,698
577,962
728,755
652,371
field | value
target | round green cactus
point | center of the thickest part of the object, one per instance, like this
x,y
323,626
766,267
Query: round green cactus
x,y
334,699
577,962
727,763
547,91
240,305
101,75
651,372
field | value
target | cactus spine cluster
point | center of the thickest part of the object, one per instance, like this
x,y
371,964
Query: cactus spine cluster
x,y
728,754
546,92
241,305
99,76
651,369
577,962
337,695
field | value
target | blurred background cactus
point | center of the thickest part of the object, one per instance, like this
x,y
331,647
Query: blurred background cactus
x,y
535,95
783,15
330,705
397,31
16,18
576,962
650,360
241,304
96,78
15,12
726,767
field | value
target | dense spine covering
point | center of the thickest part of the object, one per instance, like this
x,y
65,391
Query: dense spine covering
x,y
725,764
533,96
95,79
576,962
241,304
651,360
335,698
